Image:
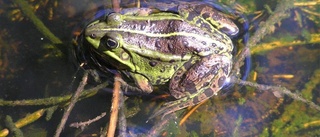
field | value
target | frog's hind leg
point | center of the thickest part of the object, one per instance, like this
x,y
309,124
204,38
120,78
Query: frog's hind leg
x,y
193,77
200,89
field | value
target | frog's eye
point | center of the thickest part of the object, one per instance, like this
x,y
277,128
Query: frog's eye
x,y
112,43
109,42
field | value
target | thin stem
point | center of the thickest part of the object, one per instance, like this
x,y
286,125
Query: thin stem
x,y
276,90
266,28
52,100
24,121
74,99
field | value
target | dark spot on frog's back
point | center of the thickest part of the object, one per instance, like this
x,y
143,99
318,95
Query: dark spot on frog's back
x,y
221,81
207,26
152,63
191,87
199,8
208,92
158,44
194,30
171,61
162,69
183,54
176,78
170,46
207,49
142,26
205,84
199,21
173,24
205,15
134,26
191,16
226,69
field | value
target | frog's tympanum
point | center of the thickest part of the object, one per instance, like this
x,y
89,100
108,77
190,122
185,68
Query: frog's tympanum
x,y
190,49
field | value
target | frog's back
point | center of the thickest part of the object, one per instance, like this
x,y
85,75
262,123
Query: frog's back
x,y
172,36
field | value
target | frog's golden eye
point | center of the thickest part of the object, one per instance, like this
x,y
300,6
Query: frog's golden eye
x,y
112,43
109,42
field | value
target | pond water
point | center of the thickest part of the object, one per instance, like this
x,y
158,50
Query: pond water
x,y
34,66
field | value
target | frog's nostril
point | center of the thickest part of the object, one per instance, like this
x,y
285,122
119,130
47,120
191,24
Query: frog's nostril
x,y
93,36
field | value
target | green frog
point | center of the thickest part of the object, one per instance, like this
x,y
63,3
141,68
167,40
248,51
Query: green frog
x,y
190,49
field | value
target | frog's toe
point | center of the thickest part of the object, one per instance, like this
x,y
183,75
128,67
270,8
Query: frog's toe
x,y
164,111
171,107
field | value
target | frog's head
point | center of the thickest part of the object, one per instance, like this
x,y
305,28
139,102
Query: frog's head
x,y
98,29
107,43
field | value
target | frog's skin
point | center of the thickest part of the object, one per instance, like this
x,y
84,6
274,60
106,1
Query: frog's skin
x,y
190,49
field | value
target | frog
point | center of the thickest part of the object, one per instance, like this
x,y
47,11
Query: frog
x,y
186,46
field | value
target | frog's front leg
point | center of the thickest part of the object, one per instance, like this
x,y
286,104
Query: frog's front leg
x,y
142,82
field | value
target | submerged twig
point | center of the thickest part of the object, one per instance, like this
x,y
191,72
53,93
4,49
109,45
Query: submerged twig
x,y
50,111
114,108
280,13
307,3
278,89
87,123
266,28
122,118
71,105
12,127
24,121
315,38
53,100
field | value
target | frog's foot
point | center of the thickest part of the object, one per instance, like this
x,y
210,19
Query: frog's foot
x,y
172,106
184,102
